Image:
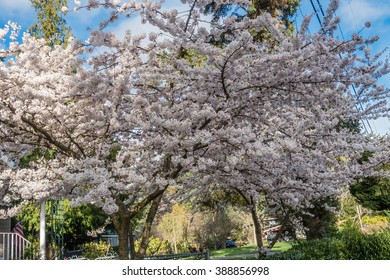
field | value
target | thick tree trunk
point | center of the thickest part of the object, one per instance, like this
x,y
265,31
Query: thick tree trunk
x,y
258,230
131,243
121,221
123,236
256,223
224,239
280,231
122,218
148,227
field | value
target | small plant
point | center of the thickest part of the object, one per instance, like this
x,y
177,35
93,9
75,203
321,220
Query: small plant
x,y
374,220
95,250
156,246
31,252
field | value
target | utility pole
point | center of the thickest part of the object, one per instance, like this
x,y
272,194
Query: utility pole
x,y
42,228
42,232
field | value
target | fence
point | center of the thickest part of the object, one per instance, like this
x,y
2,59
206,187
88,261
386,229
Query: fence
x,y
12,246
106,257
196,255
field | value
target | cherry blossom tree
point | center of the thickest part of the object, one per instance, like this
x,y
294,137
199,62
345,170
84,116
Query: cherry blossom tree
x,y
265,119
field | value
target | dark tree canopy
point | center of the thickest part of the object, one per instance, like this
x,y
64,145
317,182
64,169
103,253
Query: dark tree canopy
x,y
372,193
282,9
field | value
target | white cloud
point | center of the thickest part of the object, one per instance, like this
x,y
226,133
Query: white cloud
x,y
381,126
134,24
19,11
354,13
15,6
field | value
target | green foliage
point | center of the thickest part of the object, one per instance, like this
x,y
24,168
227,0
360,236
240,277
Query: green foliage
x,y
282,246
50,23
183,247
156,246
349,244
95,250
320,221
31,252
374,220
194,58
280,9
283,10
244,250
386,213
352,125
317,249
348,206
77,221
359,246
114,151
372,193
36,155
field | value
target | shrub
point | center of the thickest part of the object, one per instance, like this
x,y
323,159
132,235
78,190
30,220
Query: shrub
x,y
156,246
317,249
95,250
359,246
31,252
374,220
350,244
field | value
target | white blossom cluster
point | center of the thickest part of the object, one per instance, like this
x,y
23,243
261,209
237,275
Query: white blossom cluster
x,y
265,118
15,29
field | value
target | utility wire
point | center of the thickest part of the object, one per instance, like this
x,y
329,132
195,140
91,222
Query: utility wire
x,y
353,87
319,4
339,26
353,15
316,12
303,16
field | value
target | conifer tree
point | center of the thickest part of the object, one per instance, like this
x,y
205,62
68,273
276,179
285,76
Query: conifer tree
x,y
50,23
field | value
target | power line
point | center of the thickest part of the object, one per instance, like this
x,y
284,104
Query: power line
x,y
339,26
303,16
353,15
322,11
359,106
315,11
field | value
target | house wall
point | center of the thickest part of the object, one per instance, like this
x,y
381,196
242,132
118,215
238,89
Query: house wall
x,y
5,225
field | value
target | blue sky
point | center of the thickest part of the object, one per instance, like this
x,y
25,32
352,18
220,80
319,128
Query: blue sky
x,y
353,14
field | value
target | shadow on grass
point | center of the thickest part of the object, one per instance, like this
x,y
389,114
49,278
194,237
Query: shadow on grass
x,y
234,251
247,250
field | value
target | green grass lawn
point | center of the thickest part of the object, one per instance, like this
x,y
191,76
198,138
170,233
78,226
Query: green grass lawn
x,y
233,251
245,250
281,246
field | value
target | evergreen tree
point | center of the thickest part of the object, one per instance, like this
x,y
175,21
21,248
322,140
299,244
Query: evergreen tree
x,y
50,23
283,10
373,192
